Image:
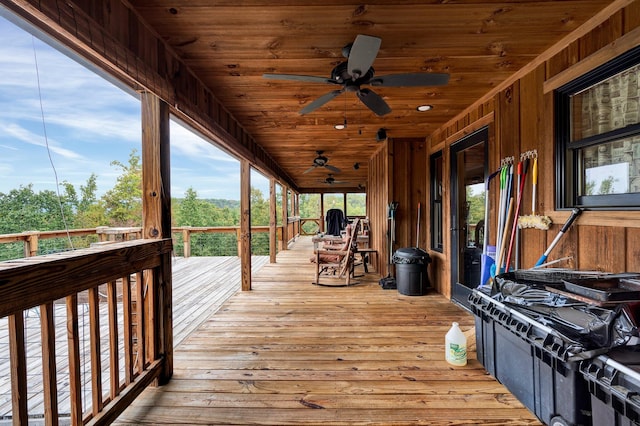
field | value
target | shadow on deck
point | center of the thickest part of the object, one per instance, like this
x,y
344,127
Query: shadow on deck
x,y
289,352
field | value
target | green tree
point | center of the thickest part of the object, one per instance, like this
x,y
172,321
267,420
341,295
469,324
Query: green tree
x,y
606,186
123,203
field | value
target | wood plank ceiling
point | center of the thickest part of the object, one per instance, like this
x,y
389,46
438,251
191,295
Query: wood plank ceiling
x,y
230,44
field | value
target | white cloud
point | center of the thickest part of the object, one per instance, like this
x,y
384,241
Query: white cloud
x,y
31,138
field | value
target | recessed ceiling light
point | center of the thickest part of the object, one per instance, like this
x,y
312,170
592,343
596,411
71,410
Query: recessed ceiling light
x,y
424,107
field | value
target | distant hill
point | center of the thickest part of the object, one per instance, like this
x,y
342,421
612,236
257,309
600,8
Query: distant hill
x,y
221,203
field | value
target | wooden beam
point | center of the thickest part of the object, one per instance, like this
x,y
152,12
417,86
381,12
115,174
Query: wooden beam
x,y
156,223
245,224
156,192
273,218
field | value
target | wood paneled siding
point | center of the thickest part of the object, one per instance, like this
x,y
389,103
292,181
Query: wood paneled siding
x,y
520,118
378,198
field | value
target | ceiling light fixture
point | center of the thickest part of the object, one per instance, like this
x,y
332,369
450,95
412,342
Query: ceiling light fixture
x,y
341,126
423,108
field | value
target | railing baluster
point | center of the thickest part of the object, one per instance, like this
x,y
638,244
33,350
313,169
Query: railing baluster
x,y
73,342
150,319
19,369
128,338
140,321
114,352
48,331
96,362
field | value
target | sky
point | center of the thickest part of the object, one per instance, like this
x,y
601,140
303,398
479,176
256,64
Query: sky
x,y
88,123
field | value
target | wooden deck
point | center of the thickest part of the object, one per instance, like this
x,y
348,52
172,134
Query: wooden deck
x,y
289,352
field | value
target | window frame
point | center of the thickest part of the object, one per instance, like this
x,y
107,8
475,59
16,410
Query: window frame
x,y
436,245
568,151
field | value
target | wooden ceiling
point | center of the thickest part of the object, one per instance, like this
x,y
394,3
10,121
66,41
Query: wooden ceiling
x,y
230,44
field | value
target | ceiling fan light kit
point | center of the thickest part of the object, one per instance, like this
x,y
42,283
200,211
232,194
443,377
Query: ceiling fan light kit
x,y
423,108
358,71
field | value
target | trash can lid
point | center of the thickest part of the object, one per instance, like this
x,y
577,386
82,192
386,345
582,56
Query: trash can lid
x,y
411,255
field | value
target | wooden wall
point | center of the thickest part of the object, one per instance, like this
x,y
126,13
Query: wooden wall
x,y
520,118
378,199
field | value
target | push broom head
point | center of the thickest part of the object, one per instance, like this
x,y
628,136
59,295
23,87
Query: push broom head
x,y
534,221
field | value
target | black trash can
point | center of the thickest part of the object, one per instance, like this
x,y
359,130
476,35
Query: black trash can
x,y
411,271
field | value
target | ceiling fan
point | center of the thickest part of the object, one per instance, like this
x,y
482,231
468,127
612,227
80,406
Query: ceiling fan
x,y
321,161
357,71
330,180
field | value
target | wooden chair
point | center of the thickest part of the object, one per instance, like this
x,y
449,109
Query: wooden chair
x,y
337,262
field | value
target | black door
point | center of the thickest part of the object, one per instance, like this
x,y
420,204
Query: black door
x,y
468,171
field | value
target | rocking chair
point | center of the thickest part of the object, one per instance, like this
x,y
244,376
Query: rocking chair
x,y
337,262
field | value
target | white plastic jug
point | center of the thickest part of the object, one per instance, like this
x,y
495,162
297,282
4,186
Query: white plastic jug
x,y
455,344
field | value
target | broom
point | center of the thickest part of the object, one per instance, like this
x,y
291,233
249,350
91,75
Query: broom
x,y
533,220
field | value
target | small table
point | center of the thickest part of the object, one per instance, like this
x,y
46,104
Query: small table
x,y
363,252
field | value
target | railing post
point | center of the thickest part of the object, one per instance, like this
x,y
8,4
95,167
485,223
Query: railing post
x,y
285,218
239,240
272,220
31,244
186,241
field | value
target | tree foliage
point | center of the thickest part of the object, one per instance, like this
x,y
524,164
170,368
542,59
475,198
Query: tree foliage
x,y
23,209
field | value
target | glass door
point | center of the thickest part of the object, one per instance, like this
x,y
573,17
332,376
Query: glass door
x,y
468,171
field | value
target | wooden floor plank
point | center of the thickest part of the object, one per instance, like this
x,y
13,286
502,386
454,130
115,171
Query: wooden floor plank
x,y
292,353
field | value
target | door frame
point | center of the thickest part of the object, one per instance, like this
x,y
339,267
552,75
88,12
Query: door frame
x,y
459,292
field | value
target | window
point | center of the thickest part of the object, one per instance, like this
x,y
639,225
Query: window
x,y
436,201
598,135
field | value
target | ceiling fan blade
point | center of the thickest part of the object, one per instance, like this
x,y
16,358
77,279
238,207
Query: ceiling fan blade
x,y
332,168
294,77
410,80
309,170
374,102
363,53
319,102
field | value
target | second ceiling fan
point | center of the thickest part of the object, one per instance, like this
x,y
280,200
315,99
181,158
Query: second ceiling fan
x,y
357,71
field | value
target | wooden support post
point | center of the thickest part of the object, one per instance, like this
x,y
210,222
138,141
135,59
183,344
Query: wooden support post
x,y
239,241
156,219
285,219
344,204
186,241
245,224
321,212
272,221
31,244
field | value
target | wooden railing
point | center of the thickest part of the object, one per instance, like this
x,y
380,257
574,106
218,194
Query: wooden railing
x,y
105,235
127,282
